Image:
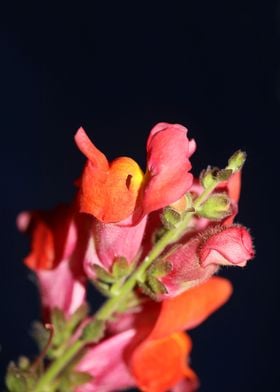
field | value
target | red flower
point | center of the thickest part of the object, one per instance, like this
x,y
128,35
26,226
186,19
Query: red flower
x,y
59,244
114,191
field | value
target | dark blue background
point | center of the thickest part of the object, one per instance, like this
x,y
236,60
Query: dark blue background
x,y
211,66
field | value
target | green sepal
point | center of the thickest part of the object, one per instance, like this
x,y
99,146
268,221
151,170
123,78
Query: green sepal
x,y
40,334
153,288
170,217
216,207
208,177
18,380
223,174
72,380
120,268
102,274
160,268
156,286
93,331
23,363
59,324
77,317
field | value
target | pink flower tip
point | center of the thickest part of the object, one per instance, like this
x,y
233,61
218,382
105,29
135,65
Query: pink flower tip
x,y
227,246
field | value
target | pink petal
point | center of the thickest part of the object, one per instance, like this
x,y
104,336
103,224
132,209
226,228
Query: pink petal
x,y
60,288
106,363
167,177
111,240
228,246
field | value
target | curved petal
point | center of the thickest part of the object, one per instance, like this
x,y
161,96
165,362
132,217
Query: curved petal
x,y
160,364
106,363
167,177
92,153
192,307
108,192
118,240
60,288
53,236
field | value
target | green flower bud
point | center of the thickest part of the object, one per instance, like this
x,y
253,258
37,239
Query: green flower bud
x,y
236,161
216,207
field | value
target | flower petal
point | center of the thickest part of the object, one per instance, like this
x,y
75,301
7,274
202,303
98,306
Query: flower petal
x,y
108,192
228,246
117,240
192,307
167,177
105,362
60,288
159,364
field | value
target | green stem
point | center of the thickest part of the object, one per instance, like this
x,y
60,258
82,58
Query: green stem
x,y
56,367
113,303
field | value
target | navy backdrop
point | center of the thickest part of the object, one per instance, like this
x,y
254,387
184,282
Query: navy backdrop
x,y
117,70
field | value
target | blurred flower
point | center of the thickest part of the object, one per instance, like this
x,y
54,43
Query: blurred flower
x,y
59,243
113,192
150,350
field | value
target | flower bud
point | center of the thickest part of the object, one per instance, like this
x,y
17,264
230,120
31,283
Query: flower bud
x,y
236,161
216,207
227,246
196,260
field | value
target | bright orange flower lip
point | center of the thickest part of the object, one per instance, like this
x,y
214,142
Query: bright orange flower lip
x,y
108,191
159,362
114,191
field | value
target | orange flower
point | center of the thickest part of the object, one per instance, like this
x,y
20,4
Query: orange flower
x,y
114,191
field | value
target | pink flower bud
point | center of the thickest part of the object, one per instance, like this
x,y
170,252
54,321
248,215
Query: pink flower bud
x,y
200,256
186,270
228,246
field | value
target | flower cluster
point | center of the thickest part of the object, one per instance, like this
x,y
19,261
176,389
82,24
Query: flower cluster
x,y
152,243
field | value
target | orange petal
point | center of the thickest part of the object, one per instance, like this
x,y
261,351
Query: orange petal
x,y
85,145
108,192
42,255
192,307
234,186
159,364
110,195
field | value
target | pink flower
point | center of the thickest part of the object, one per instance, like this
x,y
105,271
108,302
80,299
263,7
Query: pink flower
x,y
113,192
200,256
59,243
